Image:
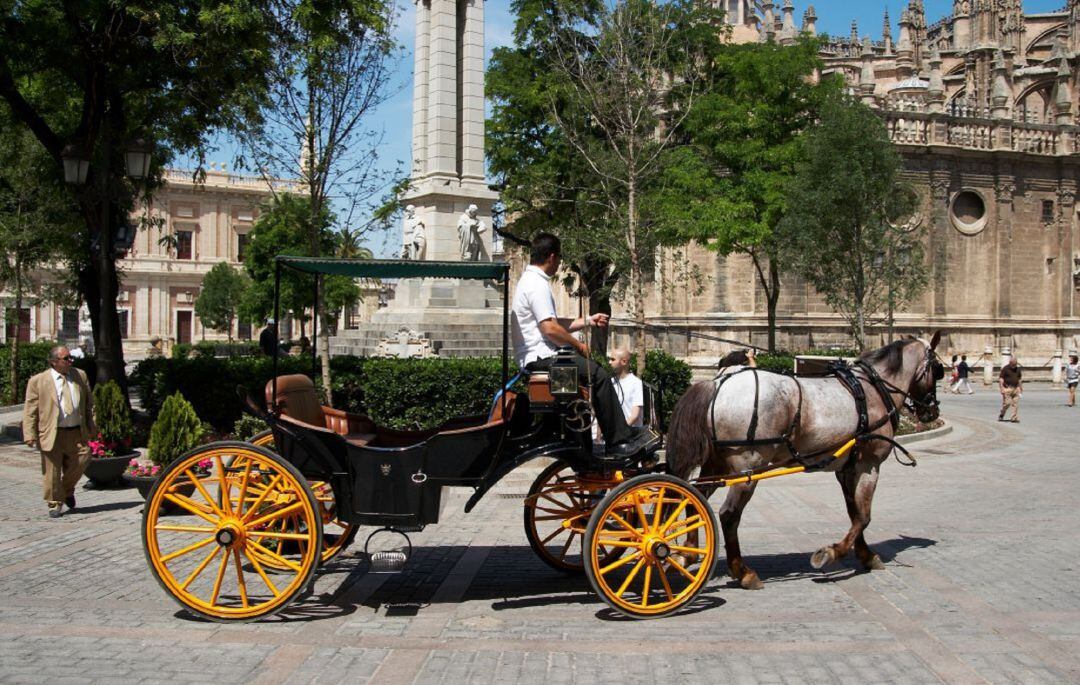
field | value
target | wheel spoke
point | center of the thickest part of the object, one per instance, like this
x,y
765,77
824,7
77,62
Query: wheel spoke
x,y
554,501
220,576
191,505
659,508
223,485
618,543
190,548
206,495
645,587
240,579
688,550
262,574
245,479
275,515
683,531
200,567
255,507
664,581
275,556
280,536
630,577
566,547
620,562
622,522
554,534
680,569
183,529
670,521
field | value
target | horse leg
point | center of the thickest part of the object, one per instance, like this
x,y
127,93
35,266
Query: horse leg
x,y
730,514
858,480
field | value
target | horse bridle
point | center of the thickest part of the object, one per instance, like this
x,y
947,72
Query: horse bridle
x,y
929,401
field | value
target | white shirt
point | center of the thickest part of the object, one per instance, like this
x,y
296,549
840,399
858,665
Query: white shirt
x,y
66,420
77,353
631,394
533,303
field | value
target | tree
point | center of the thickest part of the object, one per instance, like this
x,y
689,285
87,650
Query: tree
x,y
89,76
282,229
604,88
727,186
37,220
839,231
223,289
332,68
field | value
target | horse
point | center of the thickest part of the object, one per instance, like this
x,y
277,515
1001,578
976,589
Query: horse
x,y
810,416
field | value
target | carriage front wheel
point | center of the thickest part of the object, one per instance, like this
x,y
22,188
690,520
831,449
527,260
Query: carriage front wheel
x,y
209,559
669,532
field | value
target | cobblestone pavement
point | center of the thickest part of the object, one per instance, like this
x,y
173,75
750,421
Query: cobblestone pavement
x,y
981,546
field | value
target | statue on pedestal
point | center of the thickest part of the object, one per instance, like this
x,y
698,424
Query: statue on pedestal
x,y
469,229
415,240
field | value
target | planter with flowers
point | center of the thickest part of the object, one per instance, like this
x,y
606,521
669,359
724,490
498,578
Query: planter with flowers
x,y
110,450
176,430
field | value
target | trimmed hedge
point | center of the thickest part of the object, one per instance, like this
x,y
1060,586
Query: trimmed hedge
x,y
33,359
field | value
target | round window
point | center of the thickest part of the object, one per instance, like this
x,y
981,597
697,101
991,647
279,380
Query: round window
x,y
968,212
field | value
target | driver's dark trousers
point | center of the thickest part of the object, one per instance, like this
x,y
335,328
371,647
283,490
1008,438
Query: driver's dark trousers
x,y
605,401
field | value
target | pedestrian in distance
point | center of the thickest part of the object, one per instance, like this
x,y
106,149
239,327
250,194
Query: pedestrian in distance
x,y
58,419
1072,378
1011,384
954,377
963,371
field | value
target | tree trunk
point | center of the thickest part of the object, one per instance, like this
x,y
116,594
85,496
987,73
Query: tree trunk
x,y
772,298
636,277
18,331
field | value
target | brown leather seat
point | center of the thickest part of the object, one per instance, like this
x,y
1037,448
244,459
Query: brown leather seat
x,y
297,399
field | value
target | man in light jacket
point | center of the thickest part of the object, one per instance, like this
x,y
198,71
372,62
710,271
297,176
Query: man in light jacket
x,y
58,419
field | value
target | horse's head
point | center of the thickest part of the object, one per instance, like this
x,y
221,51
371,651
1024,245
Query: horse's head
x,y
922,389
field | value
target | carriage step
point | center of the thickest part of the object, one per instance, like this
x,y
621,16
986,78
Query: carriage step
x,y
388,562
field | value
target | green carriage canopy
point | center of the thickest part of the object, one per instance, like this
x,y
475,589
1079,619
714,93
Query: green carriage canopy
x,y
396,268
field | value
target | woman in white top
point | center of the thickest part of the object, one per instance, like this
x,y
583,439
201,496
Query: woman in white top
x,y
1072,378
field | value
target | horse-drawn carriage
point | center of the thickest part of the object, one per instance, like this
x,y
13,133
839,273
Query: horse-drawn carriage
x,y
255,526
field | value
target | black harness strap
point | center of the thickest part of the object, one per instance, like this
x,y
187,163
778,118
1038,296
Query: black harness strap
x,y
854,386
886,396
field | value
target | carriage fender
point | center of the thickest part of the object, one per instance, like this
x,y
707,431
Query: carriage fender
x,y
551,451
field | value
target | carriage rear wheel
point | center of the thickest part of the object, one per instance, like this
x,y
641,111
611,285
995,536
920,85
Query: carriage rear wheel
x,y
211,561
669,532
337,535
556,513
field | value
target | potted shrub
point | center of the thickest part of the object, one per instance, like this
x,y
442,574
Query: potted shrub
x,y
176,430
110,450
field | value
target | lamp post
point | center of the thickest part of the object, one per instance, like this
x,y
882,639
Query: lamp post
x,y
76,159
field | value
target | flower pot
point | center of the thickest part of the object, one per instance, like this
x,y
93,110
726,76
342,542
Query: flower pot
x,y
107,472
144,484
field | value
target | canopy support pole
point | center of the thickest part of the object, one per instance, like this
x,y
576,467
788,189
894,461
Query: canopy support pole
x,y
277,331
315,329
505,342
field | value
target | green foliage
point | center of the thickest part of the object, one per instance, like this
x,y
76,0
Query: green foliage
x,y
283,228
111,414
247,427
779,363
838,233
33,359
181,350
176,430
223,288
670,376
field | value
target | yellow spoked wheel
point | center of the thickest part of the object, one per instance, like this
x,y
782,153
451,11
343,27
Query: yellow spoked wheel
x,y
557,511
212,561
337,535
669,532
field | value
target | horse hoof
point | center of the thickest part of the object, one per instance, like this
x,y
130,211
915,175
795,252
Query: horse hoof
x,y
823,557
750,581
874,564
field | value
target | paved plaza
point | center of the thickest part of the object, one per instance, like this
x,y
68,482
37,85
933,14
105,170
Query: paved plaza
x,y
981,546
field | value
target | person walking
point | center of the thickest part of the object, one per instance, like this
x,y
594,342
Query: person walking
x,y
1010,381
58,419
1072,378
954,377
963,371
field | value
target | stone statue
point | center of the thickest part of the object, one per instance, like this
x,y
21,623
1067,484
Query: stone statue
x,y
415,239
469,229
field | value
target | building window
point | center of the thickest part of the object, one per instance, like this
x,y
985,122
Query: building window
x,y
69,324
183,244
1048,211
24,324
243,330
123,316
242,241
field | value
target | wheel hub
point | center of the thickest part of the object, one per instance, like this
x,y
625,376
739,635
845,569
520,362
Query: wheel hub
x,y
660,550
228,535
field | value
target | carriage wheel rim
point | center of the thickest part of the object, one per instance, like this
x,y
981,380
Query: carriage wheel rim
x,y
221,541
656,522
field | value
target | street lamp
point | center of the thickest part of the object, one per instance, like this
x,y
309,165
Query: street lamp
x,y
76,164
137,158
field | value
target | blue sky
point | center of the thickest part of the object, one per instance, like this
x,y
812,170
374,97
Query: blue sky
x,y
395,116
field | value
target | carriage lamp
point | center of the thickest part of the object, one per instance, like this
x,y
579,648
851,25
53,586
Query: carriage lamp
x,y
563,378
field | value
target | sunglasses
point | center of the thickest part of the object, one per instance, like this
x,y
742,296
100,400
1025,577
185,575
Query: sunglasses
x,y
68,358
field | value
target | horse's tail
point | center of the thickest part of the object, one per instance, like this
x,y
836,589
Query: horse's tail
x,y
689,441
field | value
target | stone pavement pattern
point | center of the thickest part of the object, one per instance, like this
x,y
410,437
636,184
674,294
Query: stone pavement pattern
x,y
981,545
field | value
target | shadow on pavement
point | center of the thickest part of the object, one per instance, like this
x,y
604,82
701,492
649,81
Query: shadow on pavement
x,y
98,508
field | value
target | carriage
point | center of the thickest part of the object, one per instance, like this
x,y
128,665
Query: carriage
x,y
242,539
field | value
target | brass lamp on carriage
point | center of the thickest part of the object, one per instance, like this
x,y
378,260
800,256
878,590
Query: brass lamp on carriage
x,y
563,377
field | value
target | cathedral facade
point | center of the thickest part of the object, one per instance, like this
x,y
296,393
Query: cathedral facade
x,y
982,105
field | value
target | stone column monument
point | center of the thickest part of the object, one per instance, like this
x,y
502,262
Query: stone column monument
x,y
448,124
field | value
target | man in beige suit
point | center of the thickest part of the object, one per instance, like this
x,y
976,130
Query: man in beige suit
x,y
58,419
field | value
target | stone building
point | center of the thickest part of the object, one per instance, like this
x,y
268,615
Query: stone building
x,y
982,104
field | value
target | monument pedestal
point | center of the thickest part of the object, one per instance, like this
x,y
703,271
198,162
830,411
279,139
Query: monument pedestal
x,y
461,318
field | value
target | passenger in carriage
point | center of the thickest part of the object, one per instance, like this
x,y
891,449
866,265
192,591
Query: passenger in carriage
x,y
538,332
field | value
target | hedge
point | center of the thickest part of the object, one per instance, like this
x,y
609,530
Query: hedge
x,y
33,359
398,393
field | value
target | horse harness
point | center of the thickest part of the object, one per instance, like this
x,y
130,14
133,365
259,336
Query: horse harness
x,y
864,432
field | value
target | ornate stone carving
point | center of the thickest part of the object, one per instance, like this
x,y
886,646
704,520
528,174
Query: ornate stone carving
x,y
1005,189
1067,197
939,187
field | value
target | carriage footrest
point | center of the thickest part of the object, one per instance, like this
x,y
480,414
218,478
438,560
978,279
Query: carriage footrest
x,y
388,562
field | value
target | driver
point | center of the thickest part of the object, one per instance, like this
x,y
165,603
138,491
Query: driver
x,y
538,332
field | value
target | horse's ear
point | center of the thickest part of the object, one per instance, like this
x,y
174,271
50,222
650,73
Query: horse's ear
x,y
935,340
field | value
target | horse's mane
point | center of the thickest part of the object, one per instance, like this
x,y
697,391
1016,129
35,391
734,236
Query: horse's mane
x,y
892,355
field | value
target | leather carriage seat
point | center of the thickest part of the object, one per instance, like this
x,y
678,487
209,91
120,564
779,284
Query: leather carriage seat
x,y
297,399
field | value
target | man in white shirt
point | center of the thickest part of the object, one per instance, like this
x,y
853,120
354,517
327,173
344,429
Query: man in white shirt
x,y
628,387
538,332
58,419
